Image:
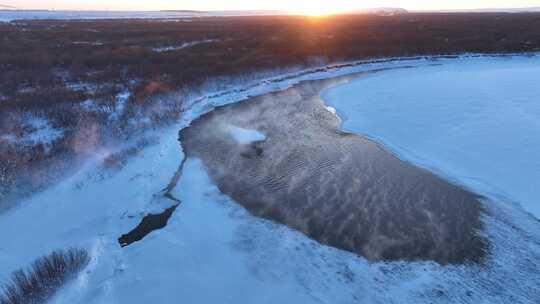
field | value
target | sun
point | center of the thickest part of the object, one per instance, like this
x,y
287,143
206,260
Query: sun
x,y
315,12
316,8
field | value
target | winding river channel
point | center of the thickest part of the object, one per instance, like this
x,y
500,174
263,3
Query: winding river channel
x,y
338,188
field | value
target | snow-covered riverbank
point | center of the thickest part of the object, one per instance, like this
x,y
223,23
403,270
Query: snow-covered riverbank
x,y
476,121
214,251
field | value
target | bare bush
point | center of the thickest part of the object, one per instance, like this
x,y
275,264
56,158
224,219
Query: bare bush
x,y
44,277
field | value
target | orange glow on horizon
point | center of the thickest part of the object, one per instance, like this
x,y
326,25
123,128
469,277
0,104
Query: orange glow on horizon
x,y
314,12
301,7
319,9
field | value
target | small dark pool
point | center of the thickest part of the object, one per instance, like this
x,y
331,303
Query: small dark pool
x,y
148,224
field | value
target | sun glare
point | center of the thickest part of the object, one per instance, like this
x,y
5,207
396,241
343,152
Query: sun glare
x,y
315,12
318,9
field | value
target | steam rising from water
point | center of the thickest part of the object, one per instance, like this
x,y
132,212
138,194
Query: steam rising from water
x,y
338,188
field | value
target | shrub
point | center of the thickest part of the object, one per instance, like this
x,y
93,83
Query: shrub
x,y
44,277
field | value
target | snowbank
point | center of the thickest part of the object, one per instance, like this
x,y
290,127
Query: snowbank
x,y
475,121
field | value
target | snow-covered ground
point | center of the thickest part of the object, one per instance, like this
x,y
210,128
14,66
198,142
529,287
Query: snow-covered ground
x,y
90,43
475,121
33,131
212,250
181,46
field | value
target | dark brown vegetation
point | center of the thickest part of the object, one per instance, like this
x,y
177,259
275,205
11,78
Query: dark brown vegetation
x,y
44,277
37,58
50,68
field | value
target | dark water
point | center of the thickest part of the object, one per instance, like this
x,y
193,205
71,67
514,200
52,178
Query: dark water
x,y
337,188
153,222
148,224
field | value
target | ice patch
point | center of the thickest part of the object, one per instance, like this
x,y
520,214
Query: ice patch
x,y
331,110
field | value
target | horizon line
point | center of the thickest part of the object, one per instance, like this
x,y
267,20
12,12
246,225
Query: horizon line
x,y
494,9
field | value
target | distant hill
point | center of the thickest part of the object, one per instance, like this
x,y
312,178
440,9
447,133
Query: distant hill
x,y
184,11
491,10
510,10
7,7
383,11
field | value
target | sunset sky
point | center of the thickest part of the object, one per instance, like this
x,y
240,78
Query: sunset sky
x,y
287,5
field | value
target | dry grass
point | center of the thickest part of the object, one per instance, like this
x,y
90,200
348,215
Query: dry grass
x,y
44,277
